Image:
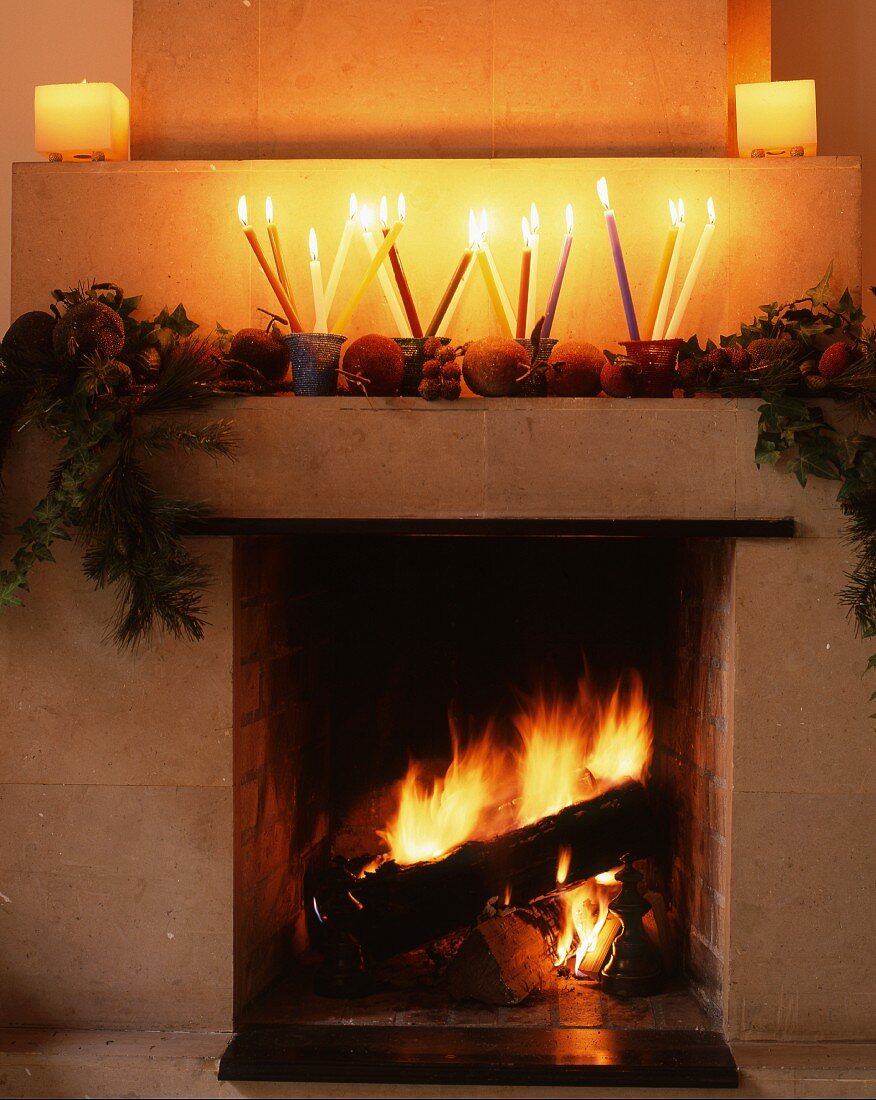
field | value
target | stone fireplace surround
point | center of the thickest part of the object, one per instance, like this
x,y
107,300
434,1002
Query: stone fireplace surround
x,y
121,782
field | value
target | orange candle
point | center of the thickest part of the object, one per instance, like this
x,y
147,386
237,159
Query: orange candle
x,y
525,268
399,272
277,287
460,275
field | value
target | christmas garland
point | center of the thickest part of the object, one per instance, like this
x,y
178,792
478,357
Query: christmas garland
x,y
813,346
109,389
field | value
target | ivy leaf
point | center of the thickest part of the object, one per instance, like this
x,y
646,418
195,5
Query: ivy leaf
x,y
820,293
815,458
767,452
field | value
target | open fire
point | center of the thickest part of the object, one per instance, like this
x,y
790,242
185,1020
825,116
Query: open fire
x,y
565,750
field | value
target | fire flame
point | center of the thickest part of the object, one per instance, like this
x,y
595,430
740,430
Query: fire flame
x,y
567,750
585,909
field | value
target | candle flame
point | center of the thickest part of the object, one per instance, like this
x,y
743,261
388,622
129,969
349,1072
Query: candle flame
x,y
673,213
472,229
602,191
242,211
533,218
402,207
710,206
314,251
365,218
269,210
570,220
384,211
524,225
84,81
484,224
681,211
354,205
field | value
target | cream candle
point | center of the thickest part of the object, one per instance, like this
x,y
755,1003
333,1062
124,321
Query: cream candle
x,y
617,254
693,274
494,281
662,271
669,283
347,235
398,314
534,232
320,320
525,271
81,121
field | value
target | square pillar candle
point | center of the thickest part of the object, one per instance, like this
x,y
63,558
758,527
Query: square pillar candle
x,y
81,121
776,119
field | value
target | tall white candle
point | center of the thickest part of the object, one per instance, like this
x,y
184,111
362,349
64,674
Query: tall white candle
x,y
669,285
395,306
510,319
533,268
320,314
692,275
350,226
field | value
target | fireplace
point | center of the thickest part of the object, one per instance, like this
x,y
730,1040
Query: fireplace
x,y
362,655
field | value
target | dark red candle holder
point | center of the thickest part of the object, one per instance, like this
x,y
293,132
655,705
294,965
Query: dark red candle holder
x,y
655,362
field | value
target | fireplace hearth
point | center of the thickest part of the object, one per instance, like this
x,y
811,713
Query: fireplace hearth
x,y
354,645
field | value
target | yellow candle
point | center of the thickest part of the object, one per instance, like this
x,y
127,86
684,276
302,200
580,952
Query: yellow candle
x,y
81,121
349,232
320,322
693,274
277,287
376,262
276,250
668,286
662,271
493,290
395,308
505,312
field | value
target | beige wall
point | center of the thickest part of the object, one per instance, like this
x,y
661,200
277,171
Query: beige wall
x,y
832,41
59,40
50,42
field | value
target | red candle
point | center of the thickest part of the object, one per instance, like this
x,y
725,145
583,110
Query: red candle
x,y
399,272
525,269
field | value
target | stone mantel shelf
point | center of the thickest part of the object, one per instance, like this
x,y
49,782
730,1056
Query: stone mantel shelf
x,y
582,459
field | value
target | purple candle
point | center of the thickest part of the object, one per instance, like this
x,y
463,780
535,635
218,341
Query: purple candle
x,y
551,307
620,266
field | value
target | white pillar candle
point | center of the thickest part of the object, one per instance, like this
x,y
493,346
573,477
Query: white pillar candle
x,y
81,121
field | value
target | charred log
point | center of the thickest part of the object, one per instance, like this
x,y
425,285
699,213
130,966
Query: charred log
x,y
406,907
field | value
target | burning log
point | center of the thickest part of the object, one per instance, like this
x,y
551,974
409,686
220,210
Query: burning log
x,y
508,955
406,907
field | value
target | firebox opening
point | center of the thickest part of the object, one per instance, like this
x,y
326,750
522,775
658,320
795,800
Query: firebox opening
x,y
362,658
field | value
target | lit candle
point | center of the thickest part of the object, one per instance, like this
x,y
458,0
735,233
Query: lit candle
x,y
551,307
533,267
398,314
663,311
693,273
399,272
276,250
619,265
81,121
341,254
277,287
525,269
320,322
450,299
375,265
494,284
662,271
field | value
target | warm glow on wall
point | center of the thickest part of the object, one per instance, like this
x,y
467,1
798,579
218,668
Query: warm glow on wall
x,y
81,121
776,119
